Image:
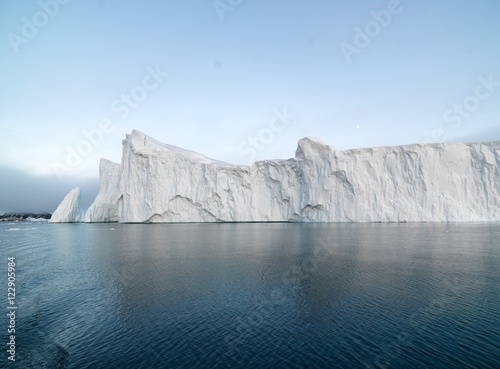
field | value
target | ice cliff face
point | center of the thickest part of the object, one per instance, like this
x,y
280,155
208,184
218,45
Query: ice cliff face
x,y
68,210
430,182
105,206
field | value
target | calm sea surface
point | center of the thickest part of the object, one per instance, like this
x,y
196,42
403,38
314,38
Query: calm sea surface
x,y
253,295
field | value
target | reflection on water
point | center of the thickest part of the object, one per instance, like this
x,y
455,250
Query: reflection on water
x,y
256,295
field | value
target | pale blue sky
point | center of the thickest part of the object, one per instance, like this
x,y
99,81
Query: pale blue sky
x,y
227,75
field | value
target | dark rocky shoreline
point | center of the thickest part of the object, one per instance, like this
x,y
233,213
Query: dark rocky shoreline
x,y
21,217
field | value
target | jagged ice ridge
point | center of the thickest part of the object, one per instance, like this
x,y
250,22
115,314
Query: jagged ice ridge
x,y
156,182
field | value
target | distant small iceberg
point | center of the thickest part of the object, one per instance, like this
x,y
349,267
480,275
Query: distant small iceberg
x,y
33,219
68,210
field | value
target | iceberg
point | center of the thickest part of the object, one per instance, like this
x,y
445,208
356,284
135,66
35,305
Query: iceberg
x,y
156,183
68,210
105,206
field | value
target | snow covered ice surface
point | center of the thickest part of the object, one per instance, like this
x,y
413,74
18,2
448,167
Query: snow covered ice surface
x,y
68,210
156,182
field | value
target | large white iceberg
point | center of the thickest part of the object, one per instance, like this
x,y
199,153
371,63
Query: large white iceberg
x,y
156,182
68,210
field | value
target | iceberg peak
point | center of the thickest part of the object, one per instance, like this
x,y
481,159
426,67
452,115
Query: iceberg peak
x,y
312,147
68,210
145,145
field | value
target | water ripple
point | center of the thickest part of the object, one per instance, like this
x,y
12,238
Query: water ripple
x,y
205,296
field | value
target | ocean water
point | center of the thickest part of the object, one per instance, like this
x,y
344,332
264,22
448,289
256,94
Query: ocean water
x,y
280,295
